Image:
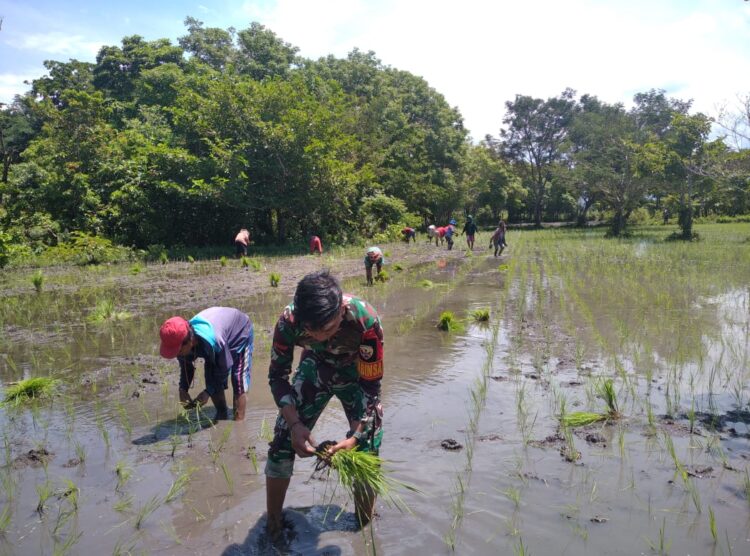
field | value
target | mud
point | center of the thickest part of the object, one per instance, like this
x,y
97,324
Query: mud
x,y
515,476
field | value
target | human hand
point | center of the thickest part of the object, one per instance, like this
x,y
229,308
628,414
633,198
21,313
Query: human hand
x,y
346,444
302,440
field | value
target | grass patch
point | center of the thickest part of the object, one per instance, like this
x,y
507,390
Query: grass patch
x,y
449,322
481,315
106,310
30,389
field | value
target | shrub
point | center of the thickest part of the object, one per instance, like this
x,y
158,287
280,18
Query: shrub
x,y
154,252
38,280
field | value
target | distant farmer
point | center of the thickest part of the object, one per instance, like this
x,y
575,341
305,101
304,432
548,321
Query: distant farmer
x,y
373,257
342,355
498,239
409,233
432,232
470,228
315,245
241,241
450,229
223,338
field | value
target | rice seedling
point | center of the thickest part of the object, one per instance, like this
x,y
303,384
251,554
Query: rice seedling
x,y
503,267
448,322
253,457
397,267
163,257
29,389
146,510
64,548
106,310
190,259
227,478
712,523
44,491
136,269
514,495
123,504
581,419
606,391
520,549
244,262
426,284
382,276
661,547
38,280
746,485
274,278
178,485
5,518
481,315
356,469
123,473
223,261
387,254
265,432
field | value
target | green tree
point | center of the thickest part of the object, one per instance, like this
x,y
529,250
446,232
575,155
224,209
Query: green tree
x,y
533,139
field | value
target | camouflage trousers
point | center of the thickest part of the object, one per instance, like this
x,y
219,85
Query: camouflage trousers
x,y
313,386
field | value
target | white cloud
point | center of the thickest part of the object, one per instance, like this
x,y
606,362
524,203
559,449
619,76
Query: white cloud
x,y
12,84
58,43
480,54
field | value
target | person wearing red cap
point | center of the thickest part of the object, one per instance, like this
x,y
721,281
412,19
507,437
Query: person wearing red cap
x,y
223,338
409,234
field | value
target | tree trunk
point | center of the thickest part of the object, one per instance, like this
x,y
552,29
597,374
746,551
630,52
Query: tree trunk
x,y
686,211
618,223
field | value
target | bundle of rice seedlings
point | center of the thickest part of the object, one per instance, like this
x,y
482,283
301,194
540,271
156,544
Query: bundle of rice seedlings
x,y
426,284
481,315
448,322
382,276
29,389
606,391
356,469
581,419
274,278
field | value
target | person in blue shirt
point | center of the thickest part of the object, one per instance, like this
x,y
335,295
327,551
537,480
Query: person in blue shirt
x,y
450,229
223,338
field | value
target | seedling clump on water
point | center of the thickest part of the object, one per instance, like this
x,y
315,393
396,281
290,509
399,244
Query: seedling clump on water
x,y
448,322
29,389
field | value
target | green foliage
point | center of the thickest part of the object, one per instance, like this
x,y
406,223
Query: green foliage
x,y
136,269
223,261
481,315
606,391
86,249
244,262
30,389
155,252
426,284
38,280
580,419
382,276
190,259
106,310
397,267
449,322
274,278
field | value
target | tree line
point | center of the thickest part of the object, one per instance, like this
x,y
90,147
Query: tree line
x,y
183,144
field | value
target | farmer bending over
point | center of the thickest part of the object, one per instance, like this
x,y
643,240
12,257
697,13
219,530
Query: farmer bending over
x,y
409,233
470,229
498,239
315,245
450,229
223,337
374,256
241,241
342,342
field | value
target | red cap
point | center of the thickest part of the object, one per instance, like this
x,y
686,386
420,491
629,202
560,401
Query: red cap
x,y
173,332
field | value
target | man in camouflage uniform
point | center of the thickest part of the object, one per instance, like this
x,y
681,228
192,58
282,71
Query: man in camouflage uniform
x,y
342,340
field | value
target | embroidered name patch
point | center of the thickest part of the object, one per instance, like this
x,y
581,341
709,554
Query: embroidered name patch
x,y
370,362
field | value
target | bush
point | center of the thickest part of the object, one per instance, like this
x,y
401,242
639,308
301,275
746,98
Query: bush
x,y
154,252
85,249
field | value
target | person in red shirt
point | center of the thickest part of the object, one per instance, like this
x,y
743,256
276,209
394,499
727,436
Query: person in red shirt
x,y
315,245
409,233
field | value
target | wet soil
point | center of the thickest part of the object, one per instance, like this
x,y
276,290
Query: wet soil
x,y
196,485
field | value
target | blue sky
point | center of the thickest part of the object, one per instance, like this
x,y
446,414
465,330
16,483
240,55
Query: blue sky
x,y
478,53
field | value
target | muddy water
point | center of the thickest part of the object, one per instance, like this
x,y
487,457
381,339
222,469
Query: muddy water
x,y
675,345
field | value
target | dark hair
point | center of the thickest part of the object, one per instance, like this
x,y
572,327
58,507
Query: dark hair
x,y
317,299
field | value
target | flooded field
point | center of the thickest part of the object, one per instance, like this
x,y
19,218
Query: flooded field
x,y
652,336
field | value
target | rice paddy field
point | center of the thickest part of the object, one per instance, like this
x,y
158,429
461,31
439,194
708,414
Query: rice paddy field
x,y
577,395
